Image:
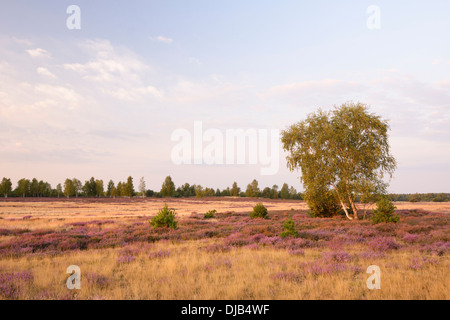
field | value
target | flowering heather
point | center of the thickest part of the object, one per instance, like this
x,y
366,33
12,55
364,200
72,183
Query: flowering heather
x,y
123,258
159,254
223,262
410,238
97,280
13,284
127,254
294,244
12,232
296,252
383,244
218,247
339,256
320,267
237,240
93,222
269,241
417,263
426,231
439,248
369,255
288,276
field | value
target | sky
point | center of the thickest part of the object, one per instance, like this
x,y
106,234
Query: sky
x,y
107,98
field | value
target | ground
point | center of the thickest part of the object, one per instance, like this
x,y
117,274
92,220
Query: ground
x,y
227,257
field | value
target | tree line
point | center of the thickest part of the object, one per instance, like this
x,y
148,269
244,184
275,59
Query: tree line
x,y
420,197
97,188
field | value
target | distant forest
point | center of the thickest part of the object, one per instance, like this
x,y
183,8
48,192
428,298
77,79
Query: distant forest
x,y
96,188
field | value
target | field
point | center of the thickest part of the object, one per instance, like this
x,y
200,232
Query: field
x,y
227,257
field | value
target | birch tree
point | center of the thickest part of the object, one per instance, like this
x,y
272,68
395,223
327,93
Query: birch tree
x,y
345,151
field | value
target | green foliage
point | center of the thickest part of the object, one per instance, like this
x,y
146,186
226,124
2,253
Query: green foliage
x,y
168,187
129,188
201,192
259,211
284,193
69,188
252,190
5,187
289,229
210,214
322,203
345,150
235,190
164,219
385,212
440,198
274,192
414,198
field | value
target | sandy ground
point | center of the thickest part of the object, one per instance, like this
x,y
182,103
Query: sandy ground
x,y
113,208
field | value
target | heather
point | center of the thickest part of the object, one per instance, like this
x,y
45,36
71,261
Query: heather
x,y
287,255
427,231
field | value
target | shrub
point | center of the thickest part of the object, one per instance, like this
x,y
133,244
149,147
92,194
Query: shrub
x,y
259,211
414,198
164,218
289,228
322,203
384,212
210,214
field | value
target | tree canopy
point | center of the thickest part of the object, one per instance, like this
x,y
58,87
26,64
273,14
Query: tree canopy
x,y
344,150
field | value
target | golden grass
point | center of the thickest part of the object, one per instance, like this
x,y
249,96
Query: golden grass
x,y
190,272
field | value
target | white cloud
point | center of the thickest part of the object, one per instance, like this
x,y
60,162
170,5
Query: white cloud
x,y
161,39
45,72
38,53
194,61
115,71
65,96
327,85
22,41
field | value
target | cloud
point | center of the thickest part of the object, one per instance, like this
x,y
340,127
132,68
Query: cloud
x,y
194,61
45,72
115,71
22,41
38,53
161,39
66,96
327,85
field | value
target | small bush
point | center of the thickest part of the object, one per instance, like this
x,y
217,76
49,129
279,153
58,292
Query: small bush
x,y
164,218
210,214
385,212
322,203
259,211
289,229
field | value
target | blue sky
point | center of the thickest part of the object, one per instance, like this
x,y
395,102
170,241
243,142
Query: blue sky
x,y
104,100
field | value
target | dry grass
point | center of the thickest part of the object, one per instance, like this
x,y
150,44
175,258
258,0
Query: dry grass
x,y
189,272
186,269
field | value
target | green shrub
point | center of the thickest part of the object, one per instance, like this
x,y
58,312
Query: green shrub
x,y
164,219
210,214
322,203
259,211
289,228
385,212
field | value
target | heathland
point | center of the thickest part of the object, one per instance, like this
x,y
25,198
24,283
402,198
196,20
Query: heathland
x,y
225,256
